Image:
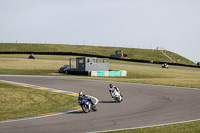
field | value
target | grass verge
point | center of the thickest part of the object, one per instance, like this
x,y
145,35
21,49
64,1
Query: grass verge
x,y
137,73
18,101
30,67
189,127
51,57
156,76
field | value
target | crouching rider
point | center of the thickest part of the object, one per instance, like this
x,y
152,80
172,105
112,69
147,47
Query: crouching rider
x,y
84,97
112,89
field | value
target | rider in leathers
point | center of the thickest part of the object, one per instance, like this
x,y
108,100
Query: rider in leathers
x,y
112,88
83,96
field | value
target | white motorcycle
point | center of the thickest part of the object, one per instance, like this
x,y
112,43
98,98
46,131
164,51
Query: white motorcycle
x,y
165,66
117,96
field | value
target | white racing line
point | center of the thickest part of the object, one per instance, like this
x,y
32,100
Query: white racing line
x,y
48,114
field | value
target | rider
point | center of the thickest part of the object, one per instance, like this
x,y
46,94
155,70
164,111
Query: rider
x,y
31,56
112,88
84,97
166,65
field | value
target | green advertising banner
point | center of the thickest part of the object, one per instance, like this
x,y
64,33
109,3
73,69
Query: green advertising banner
x,y
101,73
114,73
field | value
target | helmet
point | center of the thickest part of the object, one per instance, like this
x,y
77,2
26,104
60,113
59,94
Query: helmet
x,y
111,85
81,94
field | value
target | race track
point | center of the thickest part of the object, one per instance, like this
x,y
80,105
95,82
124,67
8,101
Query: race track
x,y
143,105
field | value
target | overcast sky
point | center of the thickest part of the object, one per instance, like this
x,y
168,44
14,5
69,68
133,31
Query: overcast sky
x,y
171,24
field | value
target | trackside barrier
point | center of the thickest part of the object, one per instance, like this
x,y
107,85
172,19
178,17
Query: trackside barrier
x,y
100,73
123,73
92,73
114,73
108,73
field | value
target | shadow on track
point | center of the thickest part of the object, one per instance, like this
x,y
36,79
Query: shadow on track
x,y
107,102
76,112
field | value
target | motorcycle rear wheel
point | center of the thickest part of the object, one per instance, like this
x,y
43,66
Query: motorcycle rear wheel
x,y
94,107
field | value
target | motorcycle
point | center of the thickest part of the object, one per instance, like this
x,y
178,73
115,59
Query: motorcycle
x,y
117,96
87,106
165,66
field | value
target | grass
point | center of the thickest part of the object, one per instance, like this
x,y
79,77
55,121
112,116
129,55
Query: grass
x,y
157,76
64,57
61,57
30,67
18,101
54,57
189,127
133,53
137,73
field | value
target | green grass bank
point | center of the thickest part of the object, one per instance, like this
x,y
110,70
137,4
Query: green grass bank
x,y
18,101
133,53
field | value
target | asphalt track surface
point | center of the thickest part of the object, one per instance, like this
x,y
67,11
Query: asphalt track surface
x,y
143,105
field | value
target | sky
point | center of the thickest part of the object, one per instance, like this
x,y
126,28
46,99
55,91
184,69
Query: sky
x,y
173,25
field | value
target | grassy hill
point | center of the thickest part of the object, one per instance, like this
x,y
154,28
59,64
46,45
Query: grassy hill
x,y
132,53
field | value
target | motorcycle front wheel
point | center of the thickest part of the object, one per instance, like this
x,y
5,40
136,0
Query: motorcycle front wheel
x,y
85,109
118,100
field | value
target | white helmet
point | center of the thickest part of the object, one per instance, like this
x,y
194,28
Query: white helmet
x,y
80,93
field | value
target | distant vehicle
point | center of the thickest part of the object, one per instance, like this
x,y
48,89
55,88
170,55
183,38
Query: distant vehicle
x,y
165,65
64,68
31,56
